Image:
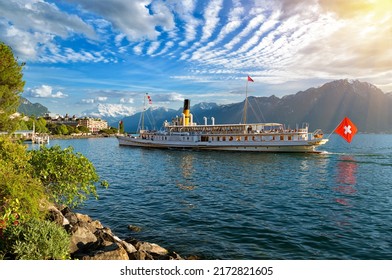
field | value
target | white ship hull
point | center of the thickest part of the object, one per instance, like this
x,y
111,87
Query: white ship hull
x,y
183,133
278,146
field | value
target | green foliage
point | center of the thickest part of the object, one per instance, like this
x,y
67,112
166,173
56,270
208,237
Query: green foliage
x,y
21,195
84,129
22,125
40,125
61,129
72,129
35,240
109,131
68,177
11,85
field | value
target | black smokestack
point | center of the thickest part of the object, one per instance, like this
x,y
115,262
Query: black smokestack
x,y
187,104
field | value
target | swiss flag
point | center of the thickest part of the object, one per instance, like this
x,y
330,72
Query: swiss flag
x,y
250,79
346,129
149,99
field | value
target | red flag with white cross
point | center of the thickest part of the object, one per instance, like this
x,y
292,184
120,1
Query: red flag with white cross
x,y
346,129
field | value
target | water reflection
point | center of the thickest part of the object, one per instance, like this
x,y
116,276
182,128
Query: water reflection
x,y
346,178
187,171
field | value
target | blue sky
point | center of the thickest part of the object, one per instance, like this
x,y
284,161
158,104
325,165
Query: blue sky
x,y
90,57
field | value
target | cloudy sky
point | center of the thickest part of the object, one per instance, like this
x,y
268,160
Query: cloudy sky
x,y
87,55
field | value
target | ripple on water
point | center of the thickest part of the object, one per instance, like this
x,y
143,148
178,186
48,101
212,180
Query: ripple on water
x,y
334,205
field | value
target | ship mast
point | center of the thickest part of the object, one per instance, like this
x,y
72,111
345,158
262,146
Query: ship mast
x,y
246,102
144,110
246,98
141,119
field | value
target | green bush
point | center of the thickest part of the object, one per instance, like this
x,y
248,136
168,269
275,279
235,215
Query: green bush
x,y
21,195
68,177
35,240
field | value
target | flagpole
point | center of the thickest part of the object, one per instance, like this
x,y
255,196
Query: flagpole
x,y
246,101
144,109
333,131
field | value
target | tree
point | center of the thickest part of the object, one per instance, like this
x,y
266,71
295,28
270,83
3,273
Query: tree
x,y
22,125
83,129
11,85
40,125
61,129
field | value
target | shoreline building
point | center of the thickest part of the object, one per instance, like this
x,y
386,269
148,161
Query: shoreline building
x,y
94,125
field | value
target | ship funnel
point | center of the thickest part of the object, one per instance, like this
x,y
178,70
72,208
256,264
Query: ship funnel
x,y
187,107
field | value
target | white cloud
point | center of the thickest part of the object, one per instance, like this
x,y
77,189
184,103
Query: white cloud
x,y
31,27
132,18
185,9
153,47
119,38
138,49
94,100
25,44
211,17
234,21
167,98
166,48
253,23
102,98
88,100
45,91
128,100
44,18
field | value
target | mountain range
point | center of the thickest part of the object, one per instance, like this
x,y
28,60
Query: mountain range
x,y
31,109
322,107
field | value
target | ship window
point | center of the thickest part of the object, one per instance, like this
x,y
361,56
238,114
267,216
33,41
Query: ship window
x,y
224,138
246,138
289,138
231,138
281,137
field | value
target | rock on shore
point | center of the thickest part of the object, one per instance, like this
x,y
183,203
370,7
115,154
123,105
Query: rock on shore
x,y
90,240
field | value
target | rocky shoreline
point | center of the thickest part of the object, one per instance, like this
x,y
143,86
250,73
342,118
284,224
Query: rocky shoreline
x,y
90,240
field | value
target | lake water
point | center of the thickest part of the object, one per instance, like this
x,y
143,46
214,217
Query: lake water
x,y
227,205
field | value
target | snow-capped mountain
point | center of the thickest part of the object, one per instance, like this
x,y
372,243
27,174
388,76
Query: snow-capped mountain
x,y
109,111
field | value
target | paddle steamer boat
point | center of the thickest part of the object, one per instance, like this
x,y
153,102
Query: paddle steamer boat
x,y
183,133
